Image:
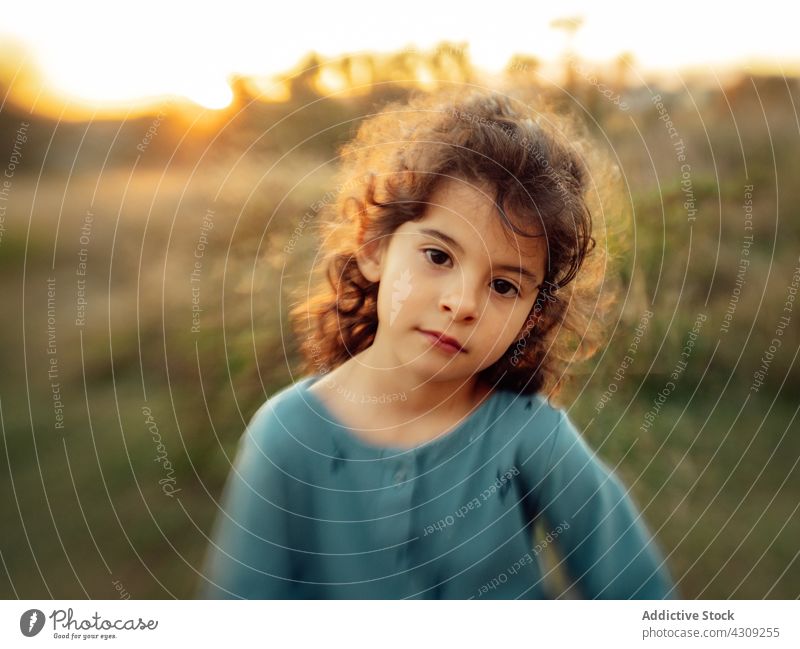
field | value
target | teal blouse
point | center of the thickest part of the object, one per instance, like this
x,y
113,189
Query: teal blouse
x,y
310,510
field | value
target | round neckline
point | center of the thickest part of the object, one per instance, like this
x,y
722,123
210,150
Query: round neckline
x,y
350,436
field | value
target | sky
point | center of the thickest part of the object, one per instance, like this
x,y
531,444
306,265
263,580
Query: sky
x,y
111,51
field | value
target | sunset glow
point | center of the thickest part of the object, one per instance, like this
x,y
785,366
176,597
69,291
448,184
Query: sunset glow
x,y
101,56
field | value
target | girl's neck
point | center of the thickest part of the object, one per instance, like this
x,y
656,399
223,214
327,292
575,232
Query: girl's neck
x,y
373,377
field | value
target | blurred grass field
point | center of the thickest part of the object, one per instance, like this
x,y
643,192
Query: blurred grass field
x,y
715,477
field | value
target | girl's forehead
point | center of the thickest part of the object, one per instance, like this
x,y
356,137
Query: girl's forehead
x,y
474,203
477,232
467,212
456,192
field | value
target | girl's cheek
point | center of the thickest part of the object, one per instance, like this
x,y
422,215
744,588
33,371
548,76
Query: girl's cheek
x,y
501,324
422,265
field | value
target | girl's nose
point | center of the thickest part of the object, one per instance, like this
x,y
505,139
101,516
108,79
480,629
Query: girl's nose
x,y
461,299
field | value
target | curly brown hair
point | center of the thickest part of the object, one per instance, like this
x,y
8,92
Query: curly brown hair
x,y
536,163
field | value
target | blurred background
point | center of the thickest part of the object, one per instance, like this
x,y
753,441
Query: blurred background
x,y
161,170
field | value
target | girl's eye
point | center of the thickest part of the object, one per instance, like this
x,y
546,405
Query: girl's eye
x,y
504,287
436,257
439,258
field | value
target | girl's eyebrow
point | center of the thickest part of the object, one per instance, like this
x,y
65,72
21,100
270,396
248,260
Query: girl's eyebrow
x,y
446,238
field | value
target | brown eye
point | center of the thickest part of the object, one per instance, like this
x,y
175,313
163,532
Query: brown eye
x,y
436,257
504,288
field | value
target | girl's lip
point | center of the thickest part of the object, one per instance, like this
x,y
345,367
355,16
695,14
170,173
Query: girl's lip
x,y
445,342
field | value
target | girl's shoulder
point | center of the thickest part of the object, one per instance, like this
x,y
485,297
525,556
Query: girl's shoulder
x,y
541,431
529,412
534,407
278,421
286,402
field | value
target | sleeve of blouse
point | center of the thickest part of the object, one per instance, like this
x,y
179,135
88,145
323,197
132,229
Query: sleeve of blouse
x,y
251,554
606,546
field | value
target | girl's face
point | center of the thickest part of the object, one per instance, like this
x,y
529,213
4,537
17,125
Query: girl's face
x,y
459,272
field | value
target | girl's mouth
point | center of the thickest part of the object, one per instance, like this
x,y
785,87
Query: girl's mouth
x,y
442,342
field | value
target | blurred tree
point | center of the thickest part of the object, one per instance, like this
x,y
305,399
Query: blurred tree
x,y
303,84
450,62
622,65
521,69
570,26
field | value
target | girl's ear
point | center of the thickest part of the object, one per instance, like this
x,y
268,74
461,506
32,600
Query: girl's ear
x,y
369,257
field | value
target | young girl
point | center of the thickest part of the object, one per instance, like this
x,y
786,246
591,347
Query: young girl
x,y
418,454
